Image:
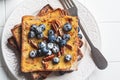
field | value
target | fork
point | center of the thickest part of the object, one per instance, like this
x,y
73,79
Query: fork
x,y
97,56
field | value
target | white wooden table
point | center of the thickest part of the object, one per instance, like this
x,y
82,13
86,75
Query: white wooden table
x,y
107,15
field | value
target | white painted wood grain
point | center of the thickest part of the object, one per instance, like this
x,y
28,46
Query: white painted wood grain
x,y
81,1
3,75
2,13
104,10
110,36
1,28
111,73
11,5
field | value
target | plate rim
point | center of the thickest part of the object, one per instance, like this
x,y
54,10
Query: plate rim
x,y
4,61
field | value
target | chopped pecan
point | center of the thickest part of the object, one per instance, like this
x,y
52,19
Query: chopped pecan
x,y
60,32
59,54
55,25
48,58
45,37
64,13
80,43
45,10
33,44
69,46
35,75
70,20
79,54
62,50
45,64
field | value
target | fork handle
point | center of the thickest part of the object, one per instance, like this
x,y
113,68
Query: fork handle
x,y
97,56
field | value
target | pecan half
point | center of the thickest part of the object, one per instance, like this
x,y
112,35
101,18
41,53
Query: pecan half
x,y
45,64
48,58
33,44
45,10
58,24
55,25
69,46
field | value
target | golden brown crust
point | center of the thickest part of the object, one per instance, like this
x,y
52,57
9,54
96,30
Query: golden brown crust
x,y
12,42
16,31
63,13
27,21
46,9
40,75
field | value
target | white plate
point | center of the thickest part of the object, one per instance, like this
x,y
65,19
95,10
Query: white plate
x,y
28,7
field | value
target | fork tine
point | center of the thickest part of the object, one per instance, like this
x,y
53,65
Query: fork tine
x,y
62,2
72,3
65,1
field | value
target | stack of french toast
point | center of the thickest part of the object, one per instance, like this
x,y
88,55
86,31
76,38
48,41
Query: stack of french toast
x,y
50,41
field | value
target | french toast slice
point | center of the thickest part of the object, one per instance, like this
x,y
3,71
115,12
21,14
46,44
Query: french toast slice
x,y
16,31
37,64
15,40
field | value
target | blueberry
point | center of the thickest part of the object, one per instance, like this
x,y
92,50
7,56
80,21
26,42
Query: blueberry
x,y
52,38
41,45
66,37
49,53
38,30
45,50
31,34
33,27
58,39
40,36
67,27
50,45
78,29
56,60
42,26
39,53
33,54
55,49
50,32
62,43
62,72
80,35
67,58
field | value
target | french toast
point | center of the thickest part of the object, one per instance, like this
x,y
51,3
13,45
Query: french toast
x,y
55,19
15,40
42,74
